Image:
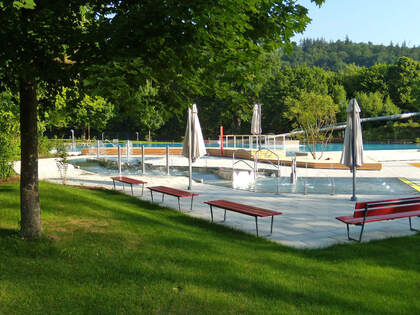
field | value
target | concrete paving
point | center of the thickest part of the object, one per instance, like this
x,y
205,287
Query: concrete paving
x,y
308,221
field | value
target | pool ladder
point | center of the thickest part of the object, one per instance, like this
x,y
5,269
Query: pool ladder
x,y
254,167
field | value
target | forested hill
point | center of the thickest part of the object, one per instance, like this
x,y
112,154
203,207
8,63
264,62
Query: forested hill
x,y
336,55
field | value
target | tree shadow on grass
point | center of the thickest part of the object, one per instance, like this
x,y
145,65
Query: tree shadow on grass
x,y
8,232
4,188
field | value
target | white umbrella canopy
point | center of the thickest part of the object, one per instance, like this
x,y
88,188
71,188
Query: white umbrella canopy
x,y
350,134
198,147
352,155
256,120
194,146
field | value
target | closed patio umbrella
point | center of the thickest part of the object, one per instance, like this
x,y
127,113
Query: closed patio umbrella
x,y
256,121
193,146
352,155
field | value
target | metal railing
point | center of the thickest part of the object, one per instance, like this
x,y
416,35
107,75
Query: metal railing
x,y
254,141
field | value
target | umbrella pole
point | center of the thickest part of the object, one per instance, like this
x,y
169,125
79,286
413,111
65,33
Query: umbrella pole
x,y
353,144
189,150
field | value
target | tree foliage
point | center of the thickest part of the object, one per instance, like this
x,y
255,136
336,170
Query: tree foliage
x,y
9,133
375,104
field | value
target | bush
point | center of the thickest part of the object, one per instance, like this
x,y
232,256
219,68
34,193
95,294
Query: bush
x,y
395,131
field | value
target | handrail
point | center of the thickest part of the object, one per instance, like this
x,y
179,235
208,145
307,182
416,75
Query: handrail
x,y
278,165
271,151
234,163
243,161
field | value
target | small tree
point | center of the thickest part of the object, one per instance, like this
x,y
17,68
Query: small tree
x,y
311,112
9,133
62,161
148,110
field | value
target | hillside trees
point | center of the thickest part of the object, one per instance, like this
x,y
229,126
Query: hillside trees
x,y
177,40
335,56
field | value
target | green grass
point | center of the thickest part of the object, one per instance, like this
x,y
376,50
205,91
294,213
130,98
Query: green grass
x,y
105,252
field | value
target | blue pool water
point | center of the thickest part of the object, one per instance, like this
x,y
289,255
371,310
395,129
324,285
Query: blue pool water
x,y
302,148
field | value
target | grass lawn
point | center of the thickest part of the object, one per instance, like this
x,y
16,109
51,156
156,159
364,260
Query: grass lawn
x,y
105,252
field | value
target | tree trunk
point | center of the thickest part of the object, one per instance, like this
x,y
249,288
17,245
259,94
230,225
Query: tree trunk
x,y
30,212
88,128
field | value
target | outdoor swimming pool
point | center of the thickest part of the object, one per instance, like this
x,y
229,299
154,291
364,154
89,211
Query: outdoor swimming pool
x,y
302,147
266,183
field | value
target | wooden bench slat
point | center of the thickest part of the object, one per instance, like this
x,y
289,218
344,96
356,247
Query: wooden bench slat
x,y
128,180
387,209
352,220
242,208
362,205
172,191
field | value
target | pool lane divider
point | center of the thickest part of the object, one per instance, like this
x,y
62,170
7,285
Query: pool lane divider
x,y
410,183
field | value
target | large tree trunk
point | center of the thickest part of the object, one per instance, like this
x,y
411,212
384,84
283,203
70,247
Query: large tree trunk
x,y
30,212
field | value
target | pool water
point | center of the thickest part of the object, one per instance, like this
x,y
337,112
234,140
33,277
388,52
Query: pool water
x,y
264,184
323,185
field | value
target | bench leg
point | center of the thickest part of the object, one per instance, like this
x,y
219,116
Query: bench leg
x,y
192,199
163,196
142,190
272,219
411,227
179,205
224,217
151,194
113,181
256,224
123,187
132,193
211,212
360,236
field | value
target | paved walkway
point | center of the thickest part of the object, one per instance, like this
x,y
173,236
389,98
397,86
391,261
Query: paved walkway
x,y
308,221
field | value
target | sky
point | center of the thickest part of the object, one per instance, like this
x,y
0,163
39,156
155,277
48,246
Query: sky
x,y
376,21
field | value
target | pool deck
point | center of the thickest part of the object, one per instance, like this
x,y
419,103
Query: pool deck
x,y
308,221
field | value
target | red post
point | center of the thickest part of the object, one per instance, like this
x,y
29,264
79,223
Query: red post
x,y
221,140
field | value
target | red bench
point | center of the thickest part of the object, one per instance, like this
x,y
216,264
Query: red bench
x,y
374,211
173,192
241,208
130,181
